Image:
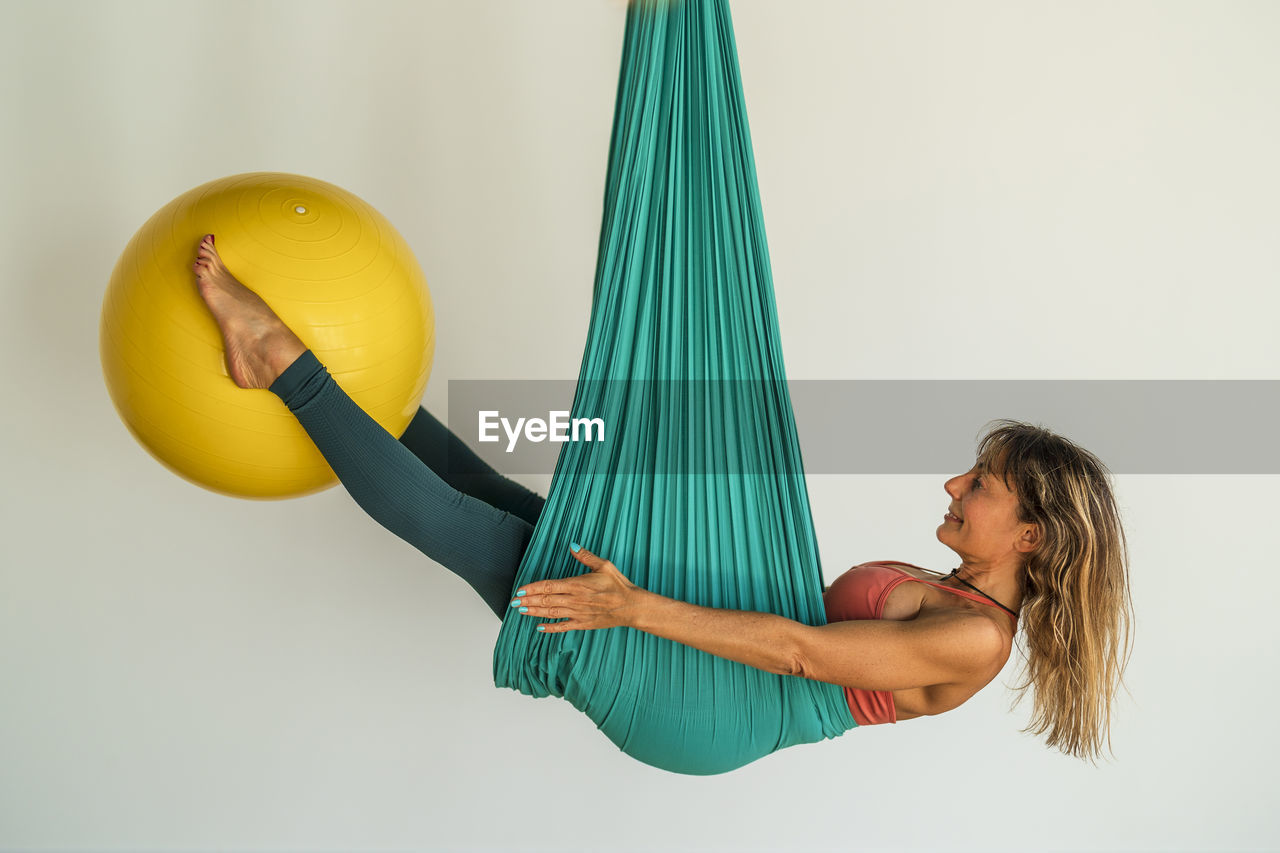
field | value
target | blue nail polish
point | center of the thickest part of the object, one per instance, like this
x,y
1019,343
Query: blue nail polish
x,y
524,610
515,603
542,627
575,547
521,592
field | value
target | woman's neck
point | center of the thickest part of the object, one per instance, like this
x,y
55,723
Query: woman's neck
x,y
1002,583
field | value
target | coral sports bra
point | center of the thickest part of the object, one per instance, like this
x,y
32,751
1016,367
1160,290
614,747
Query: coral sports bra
x,y
861,593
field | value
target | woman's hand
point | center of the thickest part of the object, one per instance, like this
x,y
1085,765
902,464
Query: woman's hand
x,y
602,598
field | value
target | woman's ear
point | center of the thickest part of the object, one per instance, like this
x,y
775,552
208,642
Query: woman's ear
x,y
1029,540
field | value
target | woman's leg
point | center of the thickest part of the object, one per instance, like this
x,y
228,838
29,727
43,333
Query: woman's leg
x,y
481,544
456,464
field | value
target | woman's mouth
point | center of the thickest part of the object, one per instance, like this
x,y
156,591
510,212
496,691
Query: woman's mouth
x,y
950,517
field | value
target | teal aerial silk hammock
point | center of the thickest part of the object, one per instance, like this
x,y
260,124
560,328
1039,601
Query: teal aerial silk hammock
x,y
699,494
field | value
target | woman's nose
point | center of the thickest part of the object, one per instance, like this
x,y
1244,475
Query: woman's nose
x,y
952,486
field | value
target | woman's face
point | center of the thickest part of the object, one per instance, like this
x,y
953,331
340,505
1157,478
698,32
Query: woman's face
x,y
981,524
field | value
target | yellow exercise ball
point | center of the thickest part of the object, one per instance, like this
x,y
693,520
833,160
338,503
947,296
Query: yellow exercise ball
x,y
334,269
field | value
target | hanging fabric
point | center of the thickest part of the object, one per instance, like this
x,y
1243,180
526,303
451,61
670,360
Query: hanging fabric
x,y
698,493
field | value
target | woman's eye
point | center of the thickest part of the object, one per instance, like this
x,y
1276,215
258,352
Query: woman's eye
x,y
977,482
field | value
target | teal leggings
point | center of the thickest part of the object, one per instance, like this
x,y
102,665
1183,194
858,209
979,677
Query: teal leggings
x,y
428,488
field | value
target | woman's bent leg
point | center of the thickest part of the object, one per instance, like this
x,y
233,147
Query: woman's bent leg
x,y
459,466
481,544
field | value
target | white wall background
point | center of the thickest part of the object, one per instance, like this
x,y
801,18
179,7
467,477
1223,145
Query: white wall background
x,y
996,190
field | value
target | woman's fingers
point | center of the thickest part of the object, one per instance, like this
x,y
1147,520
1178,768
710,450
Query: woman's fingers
x,y
545,609
582,611
594,562
563,605
563,592
543,588
559,627
557,607
568,585
586,602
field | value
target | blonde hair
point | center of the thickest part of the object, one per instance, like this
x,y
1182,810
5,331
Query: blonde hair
x,y
1076,612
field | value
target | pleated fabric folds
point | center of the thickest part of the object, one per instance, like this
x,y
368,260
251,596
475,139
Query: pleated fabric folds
x,y
699,494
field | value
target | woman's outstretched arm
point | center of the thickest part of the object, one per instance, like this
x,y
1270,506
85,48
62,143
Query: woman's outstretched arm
x,y
935,648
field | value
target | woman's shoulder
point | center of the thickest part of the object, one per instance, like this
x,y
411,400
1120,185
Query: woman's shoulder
x,y
895,566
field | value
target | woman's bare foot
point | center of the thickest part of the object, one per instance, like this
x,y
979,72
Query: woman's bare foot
x,y
259,345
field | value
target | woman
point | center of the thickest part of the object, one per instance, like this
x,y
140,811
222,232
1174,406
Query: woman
x,y
1034,524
